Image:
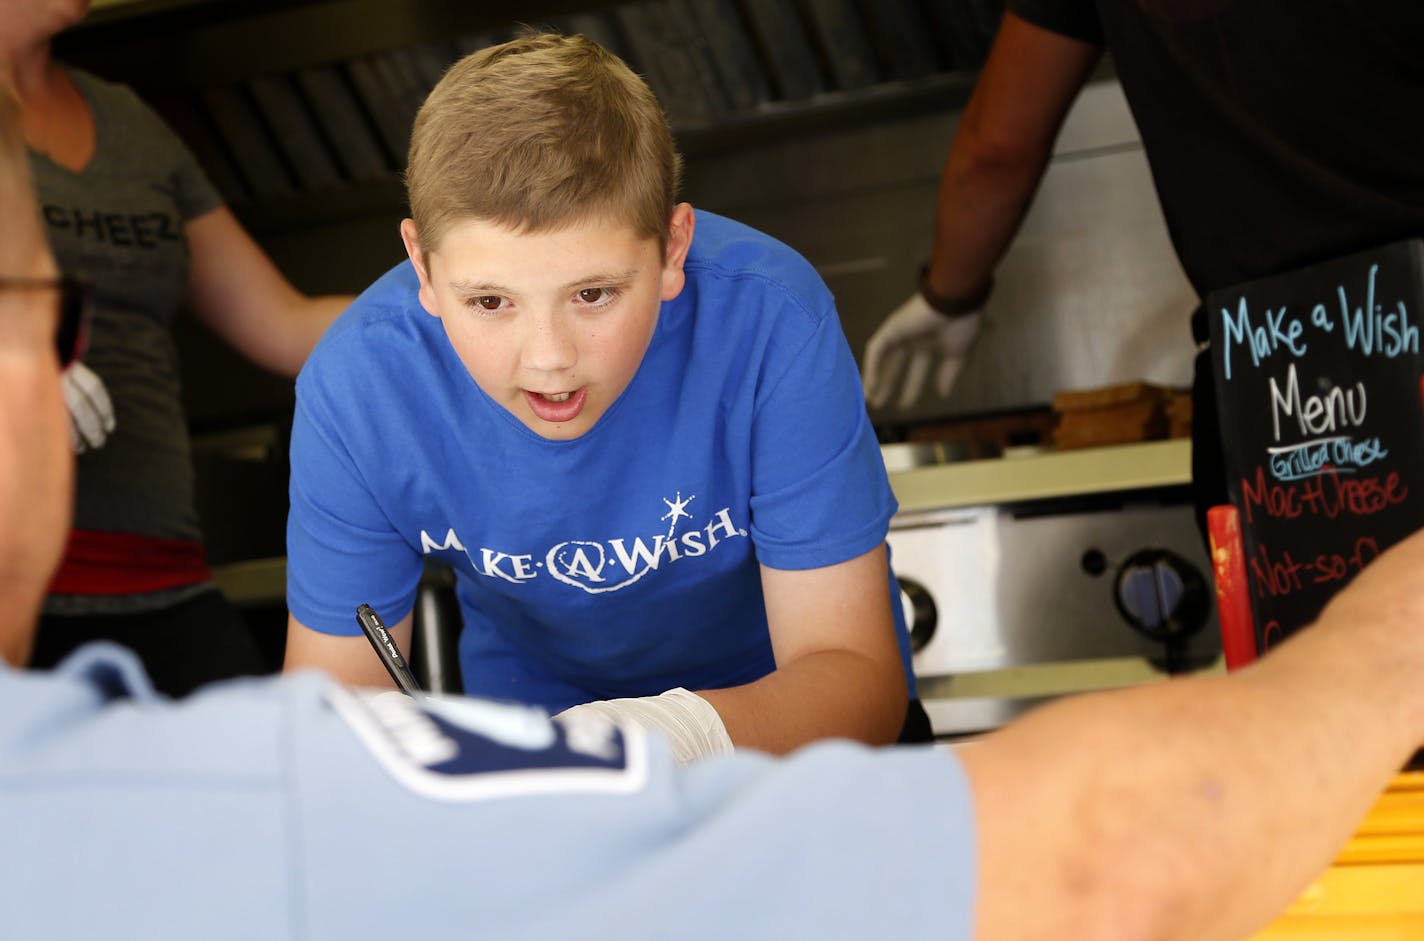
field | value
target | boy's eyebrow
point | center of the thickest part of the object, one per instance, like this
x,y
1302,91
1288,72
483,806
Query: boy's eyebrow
x,y
464,286
612,277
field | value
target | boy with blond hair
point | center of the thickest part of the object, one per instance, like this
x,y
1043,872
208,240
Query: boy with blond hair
x,y
642,451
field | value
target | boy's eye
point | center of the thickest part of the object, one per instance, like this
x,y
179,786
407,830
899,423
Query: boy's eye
x,y
489,301
592,295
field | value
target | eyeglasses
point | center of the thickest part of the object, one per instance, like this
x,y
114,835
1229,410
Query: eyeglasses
x,y
72,334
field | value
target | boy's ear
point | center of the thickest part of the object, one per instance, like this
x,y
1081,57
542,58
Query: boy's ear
x,y
419,259
679,241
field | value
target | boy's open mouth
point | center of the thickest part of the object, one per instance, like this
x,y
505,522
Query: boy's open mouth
x,y
556,406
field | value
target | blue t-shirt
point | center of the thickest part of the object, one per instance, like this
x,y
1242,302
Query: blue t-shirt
x,y
624,562
295,809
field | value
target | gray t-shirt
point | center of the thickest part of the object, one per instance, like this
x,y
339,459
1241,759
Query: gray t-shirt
x,y
119,223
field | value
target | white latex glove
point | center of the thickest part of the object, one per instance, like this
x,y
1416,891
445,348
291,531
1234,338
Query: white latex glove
x,y
91,412
692,726
912,339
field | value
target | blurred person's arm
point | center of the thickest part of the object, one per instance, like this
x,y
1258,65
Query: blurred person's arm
x,y
237,291
34,463
995,163
1200,807
24,250
1001,149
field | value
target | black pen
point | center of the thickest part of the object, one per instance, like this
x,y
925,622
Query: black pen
x,y
386,649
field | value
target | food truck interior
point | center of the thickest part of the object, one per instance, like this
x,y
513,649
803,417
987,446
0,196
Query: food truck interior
x,y
824,123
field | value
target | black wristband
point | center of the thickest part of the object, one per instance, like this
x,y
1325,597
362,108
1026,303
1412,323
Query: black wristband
x,y
953,306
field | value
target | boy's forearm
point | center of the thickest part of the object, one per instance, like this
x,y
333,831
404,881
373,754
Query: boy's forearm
x,y
829,694
346,659
1200,807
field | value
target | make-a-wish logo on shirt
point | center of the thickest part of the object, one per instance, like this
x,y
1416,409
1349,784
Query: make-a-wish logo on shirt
x,y
598,567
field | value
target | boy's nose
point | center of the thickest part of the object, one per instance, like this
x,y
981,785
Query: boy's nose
x,y
549,345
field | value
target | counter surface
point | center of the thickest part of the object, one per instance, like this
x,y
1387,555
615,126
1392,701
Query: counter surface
x,y
1044,475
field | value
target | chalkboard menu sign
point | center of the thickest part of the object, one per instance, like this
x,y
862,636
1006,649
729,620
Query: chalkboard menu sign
x,y
1318,380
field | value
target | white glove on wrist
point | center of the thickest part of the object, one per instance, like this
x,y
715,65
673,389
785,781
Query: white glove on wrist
x,y
912,339
692,726
91,412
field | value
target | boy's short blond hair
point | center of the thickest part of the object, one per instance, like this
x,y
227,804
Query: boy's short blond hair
x,y
538,133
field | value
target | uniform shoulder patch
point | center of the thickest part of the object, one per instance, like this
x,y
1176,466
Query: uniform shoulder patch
x,y
458,749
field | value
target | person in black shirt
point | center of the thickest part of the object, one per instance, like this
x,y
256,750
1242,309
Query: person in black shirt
x,y
1278,135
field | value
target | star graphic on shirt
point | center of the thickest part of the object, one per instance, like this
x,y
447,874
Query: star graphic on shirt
x,y
677,509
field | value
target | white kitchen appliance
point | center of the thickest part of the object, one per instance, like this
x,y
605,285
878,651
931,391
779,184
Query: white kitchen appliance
x,y
1047,574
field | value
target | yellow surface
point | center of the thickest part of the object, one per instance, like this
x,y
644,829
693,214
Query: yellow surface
x,y
1047,474
1374,891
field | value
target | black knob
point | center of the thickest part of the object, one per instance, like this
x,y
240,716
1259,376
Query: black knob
x,y
1162,595
921,616
1094,562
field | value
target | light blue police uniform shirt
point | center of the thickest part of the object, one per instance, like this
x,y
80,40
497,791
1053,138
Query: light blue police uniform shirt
x,y
295,809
